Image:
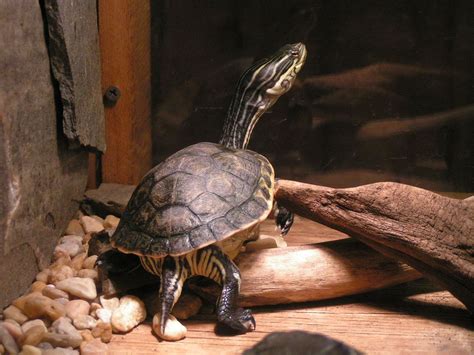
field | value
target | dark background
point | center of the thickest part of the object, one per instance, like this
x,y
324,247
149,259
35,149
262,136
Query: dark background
x,y
377,100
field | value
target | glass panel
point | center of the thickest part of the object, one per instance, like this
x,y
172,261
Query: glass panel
x,y
385,95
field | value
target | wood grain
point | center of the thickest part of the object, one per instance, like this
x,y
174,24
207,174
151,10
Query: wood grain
x,y
428,231
124,28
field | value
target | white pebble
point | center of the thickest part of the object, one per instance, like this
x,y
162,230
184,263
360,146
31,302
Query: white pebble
x,y
79,287
174,330
129,314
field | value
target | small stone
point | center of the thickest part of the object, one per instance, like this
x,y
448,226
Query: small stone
x,y
74,227
174,330
13,328
103,331
59,273
111,222
187,306
30,350
111,303
89,263
129,314
266,242
63,301
33,323
54,293
78,260
80,287
67,335
70,248
91,225
63,259
71,239
34,335
35,305
76,308
105,315
2,349
12,312
84,322
45,346
60,351
94,307
37,286
93,347
43,275
86,335
8,341
88,274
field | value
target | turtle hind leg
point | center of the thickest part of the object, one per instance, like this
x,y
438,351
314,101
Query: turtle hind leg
x,y
283,219
173,273
213,263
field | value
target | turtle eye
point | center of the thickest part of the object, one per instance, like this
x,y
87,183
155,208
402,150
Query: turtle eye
x,y
294,52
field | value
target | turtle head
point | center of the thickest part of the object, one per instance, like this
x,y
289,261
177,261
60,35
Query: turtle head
x,y
258,89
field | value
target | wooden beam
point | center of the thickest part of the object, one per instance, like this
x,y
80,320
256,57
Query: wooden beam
x,y
124,28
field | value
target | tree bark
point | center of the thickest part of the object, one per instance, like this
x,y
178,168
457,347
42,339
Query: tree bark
x,y
432,233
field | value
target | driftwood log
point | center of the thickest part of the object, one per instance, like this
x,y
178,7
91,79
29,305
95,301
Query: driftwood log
x,y
432,233
292,274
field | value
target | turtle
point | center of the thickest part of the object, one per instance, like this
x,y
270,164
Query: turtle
x,y
191,214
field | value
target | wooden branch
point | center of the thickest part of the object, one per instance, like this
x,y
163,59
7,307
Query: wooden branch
x,y
124,28
432,233
295,274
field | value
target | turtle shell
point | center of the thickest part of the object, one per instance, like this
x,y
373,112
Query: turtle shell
x,y
200,195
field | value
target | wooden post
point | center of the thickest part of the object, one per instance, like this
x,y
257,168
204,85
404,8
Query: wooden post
x,y
124,28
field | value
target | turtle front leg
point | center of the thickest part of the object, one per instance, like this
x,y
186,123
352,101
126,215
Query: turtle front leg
x,y
238,319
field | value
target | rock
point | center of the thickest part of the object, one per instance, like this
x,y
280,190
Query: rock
x,y
93,347
88,274
129,314
35,305
43,275
98,219
105,315
34,335
76,308
80,287
12,312
59,273
266,242
71,239
60,351
37,286
89,263
78,260
187,306
91,225
2,349
174,330
63,334
110,303
74,228
86,335
63,301
13,328
94,307
70,248
103,331
32,323
84,322
52,292
62,259
45,346
111,222
30,350
8,341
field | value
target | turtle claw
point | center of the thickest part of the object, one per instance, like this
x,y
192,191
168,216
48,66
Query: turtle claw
x,y
240,321
283,219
